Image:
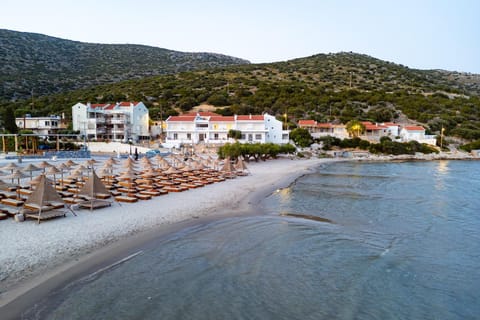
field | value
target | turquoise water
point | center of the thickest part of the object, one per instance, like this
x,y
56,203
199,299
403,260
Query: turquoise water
x,y
394,241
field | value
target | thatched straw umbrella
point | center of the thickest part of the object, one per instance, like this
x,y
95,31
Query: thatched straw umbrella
x,y
70,163
130,176
53,171
240,165
11,166
16,174
44,165
30,168
227,165
62,167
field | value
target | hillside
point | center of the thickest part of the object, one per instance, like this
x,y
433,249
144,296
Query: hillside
x,y
48,65
326,87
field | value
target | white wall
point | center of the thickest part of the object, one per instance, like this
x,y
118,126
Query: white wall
x,y
79,117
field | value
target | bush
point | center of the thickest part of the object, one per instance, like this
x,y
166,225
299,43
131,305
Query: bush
x,y
475,145
301,137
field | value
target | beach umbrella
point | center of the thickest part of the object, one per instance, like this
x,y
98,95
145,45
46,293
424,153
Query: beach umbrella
x,y
44,165
227,165
240,165
30,168
90,163
71,163
171,170
11,166
111,160
145,160
53,171
130,176
200,166
62,167
77,173
35,180
16,174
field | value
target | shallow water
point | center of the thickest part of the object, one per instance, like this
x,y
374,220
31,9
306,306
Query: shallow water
x,y
349,241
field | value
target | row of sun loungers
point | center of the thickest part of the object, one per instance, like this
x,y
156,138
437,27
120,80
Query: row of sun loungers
x,y
140,185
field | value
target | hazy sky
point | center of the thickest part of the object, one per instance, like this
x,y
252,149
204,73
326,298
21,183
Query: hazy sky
x,y
424,34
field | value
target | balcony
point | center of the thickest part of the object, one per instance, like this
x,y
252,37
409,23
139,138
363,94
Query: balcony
x,y
116,121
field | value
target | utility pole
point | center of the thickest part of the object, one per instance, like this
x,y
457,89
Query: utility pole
x,y
441,138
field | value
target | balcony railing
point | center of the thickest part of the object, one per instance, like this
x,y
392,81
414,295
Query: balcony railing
x,y
116,121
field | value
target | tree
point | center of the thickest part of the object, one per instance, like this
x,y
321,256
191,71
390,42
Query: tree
x,y
355,128
9,121
235,134
301,137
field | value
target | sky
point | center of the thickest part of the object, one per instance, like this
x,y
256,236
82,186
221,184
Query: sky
x,y
422,34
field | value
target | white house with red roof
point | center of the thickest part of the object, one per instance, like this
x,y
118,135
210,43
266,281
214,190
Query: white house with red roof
x,y
373,131
210,127
119,121
417,133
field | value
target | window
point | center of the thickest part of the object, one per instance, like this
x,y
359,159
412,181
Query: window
x,y
175,136
284,136
258,136
215,136
242,137
189,136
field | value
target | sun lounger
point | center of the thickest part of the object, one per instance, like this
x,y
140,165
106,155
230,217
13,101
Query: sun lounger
x,y
126,199
12,202
72,200
143,196
65,194
45,215
95,204
115,193
10,211
153,193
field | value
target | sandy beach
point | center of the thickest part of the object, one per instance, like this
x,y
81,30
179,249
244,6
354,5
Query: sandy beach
x,y
32,254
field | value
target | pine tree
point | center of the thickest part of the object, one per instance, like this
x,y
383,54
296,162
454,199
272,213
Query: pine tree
x,y
9,121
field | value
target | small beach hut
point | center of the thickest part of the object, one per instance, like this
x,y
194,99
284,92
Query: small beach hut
x,y
95,192
44,203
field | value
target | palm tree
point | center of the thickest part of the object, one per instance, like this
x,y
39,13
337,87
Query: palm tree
x,y
355,128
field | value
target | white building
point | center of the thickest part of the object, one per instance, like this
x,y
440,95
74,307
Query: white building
x,y
417,133
115,122
40,125
210,127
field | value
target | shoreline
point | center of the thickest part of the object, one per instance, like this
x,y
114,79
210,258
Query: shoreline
x,y
247,192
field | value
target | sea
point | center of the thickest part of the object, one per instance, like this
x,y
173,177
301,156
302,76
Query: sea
x,y
350,240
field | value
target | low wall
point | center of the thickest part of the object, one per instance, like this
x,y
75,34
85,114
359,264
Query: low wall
x,y
115,147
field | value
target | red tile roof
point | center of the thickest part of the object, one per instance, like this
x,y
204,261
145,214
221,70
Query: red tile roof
x,y
325,125
110,107
414,128
98,105
181,118
307,122
390,124
222,118
250,117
